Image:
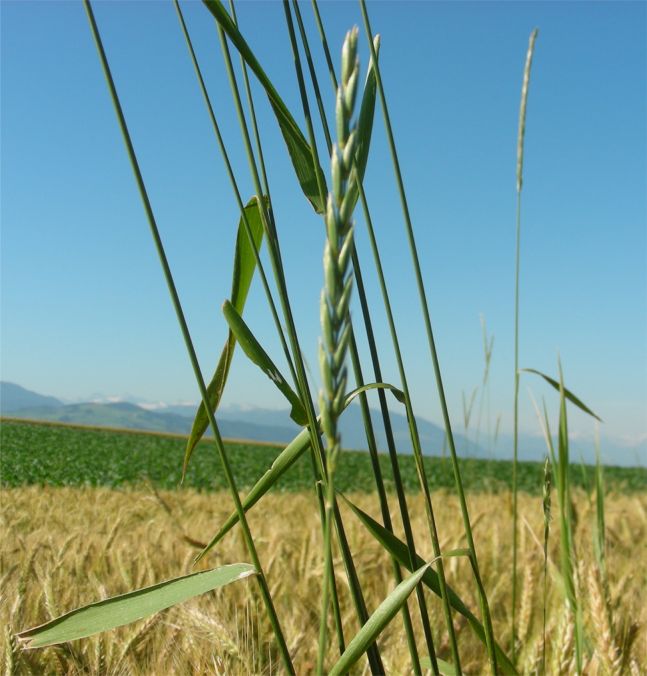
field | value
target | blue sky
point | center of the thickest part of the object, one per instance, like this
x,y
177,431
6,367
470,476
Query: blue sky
x,y
84,306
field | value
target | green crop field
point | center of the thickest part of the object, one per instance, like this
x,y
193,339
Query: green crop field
x,y
56,455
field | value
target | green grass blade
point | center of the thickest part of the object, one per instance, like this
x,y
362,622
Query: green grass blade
x,y
127,608
253,349
364,128
567,393
381,616
282,463
399,550
445,668
298,148
244,268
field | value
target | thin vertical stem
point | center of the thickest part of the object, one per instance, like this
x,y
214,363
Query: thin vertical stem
x,y
430,339
249,541
515,452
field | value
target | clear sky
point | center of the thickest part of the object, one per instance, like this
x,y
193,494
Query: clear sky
x,y
84,305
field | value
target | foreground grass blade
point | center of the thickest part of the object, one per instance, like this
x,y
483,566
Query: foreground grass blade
x,y
298,148
445,668
364,128
244,268
252,348
567,393
381,616
288,456
127,608
399,550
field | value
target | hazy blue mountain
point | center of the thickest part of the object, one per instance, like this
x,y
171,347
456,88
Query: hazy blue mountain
x,y
14,397
258,424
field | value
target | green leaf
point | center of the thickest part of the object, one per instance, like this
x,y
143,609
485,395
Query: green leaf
x,y
244,268
282,463
569,395
445,668
298,148
127,608
380,617
252,348
401,553
364,128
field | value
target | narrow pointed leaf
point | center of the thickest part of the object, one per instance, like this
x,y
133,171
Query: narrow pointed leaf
x,y
445,668
380,617
569,395
401,553
282,463
364,130
298,148
244,268
252,348
127,608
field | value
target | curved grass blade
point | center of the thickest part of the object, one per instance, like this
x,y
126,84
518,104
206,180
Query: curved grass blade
x,y
244,268
381,616
568,394
127,608
445,668
288,456
252,348
298,148
399,550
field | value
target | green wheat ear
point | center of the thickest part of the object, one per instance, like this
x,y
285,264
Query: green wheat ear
x,y
338,277
336,328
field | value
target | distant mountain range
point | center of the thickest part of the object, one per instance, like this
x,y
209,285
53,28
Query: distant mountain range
x,y
236,422
258,424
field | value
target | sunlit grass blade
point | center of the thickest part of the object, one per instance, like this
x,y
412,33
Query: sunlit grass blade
x,y
400,551
282,463
298,148
244,268
445,668
568,555
378,620
126,608
364,128
567,393
253,349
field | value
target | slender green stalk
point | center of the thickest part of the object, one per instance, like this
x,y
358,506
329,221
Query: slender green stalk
x,y
432,347
368,425
249,541
520,148
275,258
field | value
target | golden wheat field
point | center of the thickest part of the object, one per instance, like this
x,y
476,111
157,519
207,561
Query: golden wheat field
x,y
66,547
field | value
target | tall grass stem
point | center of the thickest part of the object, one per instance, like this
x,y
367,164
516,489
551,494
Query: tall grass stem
x,y
249,541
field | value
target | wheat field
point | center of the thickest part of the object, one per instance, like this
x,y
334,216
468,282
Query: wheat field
x,y
65,547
